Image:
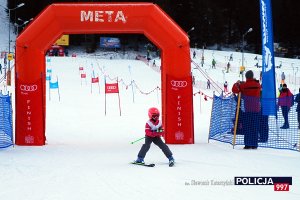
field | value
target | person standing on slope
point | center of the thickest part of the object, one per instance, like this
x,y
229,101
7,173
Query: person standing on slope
x,y
154,131
285,101
250,91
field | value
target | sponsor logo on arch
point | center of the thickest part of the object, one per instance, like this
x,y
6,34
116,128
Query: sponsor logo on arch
x,y
178,84
103,16
28,88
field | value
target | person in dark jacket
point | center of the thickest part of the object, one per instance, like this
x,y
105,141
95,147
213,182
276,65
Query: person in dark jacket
x,y
285,101
228,67
297,100
263,128
231,57
154,131
194,54
250,91
208,84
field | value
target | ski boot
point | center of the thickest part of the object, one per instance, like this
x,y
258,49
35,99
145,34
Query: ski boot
x,y
171,161
139,160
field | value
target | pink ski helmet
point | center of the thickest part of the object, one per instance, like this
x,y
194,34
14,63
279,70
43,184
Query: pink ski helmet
x,y
153,111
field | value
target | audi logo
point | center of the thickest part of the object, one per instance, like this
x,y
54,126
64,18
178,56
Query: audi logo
x,y
111,87
28,88
178,83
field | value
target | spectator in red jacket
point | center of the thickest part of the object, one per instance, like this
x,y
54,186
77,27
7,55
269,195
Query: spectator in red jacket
x,y
250,91
154,131
285,101
250,88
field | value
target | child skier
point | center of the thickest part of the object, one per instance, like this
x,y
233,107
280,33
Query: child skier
x,y
154,131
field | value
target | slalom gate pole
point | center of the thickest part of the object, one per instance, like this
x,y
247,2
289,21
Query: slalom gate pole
x,y
49,91
119,96
58,89
157,95
98,82
137,140
105,94
132,90
91,84
200,100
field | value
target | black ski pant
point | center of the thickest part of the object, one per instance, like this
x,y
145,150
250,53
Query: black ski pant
x,y
251,129
156,140
285,113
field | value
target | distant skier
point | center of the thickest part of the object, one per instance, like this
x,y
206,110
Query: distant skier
x,y
285,101
5,60
213,64
231,57
228,67
225,86
282,78
202,61
194,54
193,80
0,68
154,131
279,66
208,84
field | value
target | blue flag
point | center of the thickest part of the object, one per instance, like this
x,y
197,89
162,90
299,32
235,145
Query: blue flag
x,y
268,66
53,85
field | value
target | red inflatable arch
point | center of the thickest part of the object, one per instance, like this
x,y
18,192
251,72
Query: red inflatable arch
x,y
99,18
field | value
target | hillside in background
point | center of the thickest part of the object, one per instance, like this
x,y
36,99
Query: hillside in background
x,y
217,23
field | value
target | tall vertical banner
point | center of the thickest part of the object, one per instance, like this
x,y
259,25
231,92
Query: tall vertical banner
x,y
30,119
268,64
179,130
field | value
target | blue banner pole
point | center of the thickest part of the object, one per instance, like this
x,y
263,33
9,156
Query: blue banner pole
x,y
268,64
